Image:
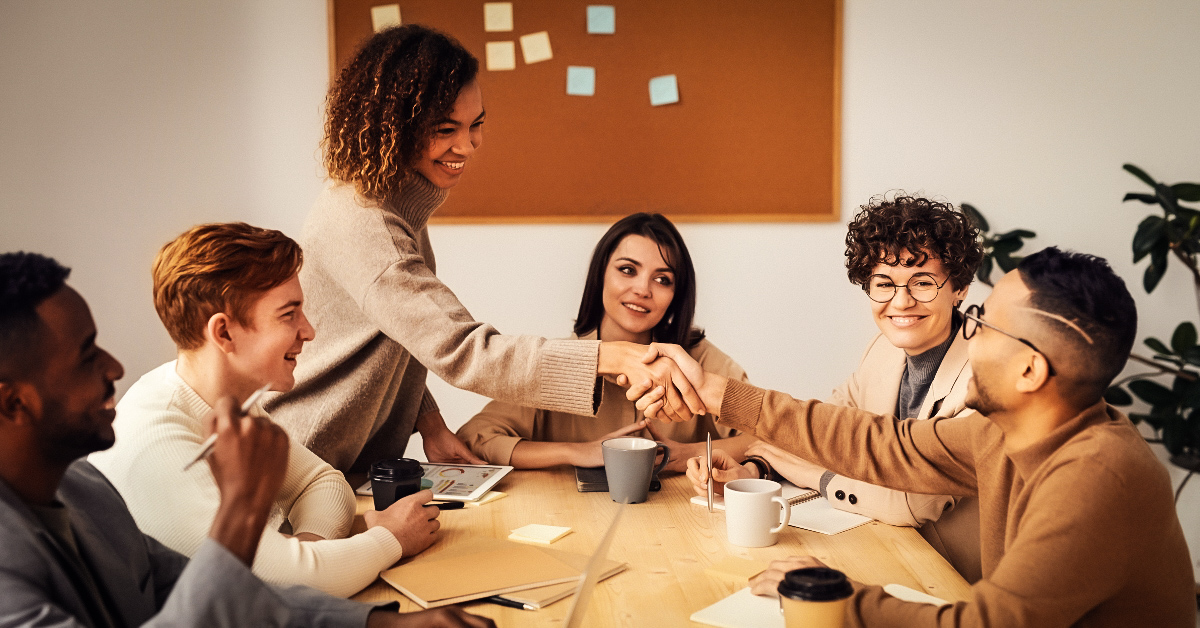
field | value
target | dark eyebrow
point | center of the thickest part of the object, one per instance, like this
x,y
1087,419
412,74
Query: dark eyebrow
x,y
455,122
664,269
288,304
88,343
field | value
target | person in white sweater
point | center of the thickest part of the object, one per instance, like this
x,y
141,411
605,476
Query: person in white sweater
x,y
230,296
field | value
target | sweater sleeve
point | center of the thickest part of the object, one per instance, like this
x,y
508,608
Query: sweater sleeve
x,y
932,456
315,496
495,431
339,567
380,266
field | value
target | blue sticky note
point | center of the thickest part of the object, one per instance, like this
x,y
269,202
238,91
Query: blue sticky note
x,y
581,80
602,19
663,90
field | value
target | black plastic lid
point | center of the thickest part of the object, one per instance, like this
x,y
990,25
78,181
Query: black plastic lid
x,y
396,469
815,584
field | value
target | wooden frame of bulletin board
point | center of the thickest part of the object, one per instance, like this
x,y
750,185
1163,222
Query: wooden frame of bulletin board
x,y
755,135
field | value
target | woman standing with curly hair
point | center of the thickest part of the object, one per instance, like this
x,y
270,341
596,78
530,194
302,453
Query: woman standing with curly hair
x,y
403,120
914,258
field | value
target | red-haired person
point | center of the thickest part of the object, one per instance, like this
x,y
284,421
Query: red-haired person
x,y
230,297
914,259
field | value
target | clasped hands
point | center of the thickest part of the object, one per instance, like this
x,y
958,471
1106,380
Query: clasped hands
x,y
665,382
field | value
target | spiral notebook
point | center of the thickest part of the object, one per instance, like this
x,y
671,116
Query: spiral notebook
x,y
809,510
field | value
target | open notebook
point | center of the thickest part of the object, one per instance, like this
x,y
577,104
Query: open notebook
x,y
809,511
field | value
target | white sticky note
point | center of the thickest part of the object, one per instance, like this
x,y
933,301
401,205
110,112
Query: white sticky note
x,y
602,19
501,55
538,533
581,80
536,47
497,17
385,16
664,90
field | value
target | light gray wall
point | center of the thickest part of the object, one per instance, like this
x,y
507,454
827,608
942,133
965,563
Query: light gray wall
x,y
123,123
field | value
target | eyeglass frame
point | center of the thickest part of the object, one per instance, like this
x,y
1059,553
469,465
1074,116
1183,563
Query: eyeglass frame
x,y
975,312
896,287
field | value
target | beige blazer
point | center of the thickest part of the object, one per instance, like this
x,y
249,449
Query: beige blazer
x,y
949,523
495,431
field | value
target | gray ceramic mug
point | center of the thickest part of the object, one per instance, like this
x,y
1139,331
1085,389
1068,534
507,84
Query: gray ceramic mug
x,y
629,467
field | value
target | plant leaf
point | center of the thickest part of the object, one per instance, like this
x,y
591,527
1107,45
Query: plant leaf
x,y
1191,394
985,270
1141,174
1174,435
975,217
1186,191
1117,396
1153,393
1156,269
1193,356
1149,233
1157,345
1005,262
1007,246
1166,198
1184,338
1148,199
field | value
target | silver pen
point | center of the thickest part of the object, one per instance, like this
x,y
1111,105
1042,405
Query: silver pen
x,y
708,450
211,441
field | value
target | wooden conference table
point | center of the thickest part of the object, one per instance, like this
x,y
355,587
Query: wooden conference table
x,y
668,543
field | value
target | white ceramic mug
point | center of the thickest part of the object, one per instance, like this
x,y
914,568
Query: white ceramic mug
x,y
752,518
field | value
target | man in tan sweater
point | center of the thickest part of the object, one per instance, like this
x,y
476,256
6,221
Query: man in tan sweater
x,y
1077,522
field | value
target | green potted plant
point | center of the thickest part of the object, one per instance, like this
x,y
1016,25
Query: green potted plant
x,y
1172,388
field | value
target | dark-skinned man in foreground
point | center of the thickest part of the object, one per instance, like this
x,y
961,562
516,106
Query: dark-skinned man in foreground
x,y
1078,526
70,552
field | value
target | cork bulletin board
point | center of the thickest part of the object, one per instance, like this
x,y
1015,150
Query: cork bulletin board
x,y
754,135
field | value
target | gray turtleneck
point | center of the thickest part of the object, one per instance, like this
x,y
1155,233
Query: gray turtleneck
x,y
382,318
919,372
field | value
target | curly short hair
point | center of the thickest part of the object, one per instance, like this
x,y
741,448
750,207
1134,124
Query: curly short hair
x,y
219,267
886,227
381,112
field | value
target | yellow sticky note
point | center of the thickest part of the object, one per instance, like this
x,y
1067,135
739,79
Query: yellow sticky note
x,y
497,17
488,498
538,533
736,568
536,47
385,16
501,55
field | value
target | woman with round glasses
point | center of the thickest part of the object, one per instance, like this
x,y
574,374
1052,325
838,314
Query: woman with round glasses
x,y
914,259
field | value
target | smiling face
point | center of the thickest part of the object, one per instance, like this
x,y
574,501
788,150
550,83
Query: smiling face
x,y
454,140
907,323
75,401
639,286
265,350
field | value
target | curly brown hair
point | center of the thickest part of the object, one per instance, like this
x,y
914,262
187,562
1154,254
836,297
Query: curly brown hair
x,y
381,112
920,226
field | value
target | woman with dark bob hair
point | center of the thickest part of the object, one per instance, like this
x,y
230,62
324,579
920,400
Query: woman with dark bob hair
x,y
403,120
914,259
641,287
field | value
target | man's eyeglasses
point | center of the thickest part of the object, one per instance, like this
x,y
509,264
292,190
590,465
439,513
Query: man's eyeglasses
x,y
973,321
921,287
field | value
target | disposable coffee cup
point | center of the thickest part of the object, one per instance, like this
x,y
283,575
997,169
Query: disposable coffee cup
x,y
394,479
814,597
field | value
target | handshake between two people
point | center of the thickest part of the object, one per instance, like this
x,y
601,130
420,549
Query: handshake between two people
x,y
665,382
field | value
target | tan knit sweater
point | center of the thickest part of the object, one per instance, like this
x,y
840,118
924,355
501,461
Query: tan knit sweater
x,y
382,318
495,431
1078,529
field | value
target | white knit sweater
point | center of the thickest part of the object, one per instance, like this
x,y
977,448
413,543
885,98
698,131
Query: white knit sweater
x,y
159,429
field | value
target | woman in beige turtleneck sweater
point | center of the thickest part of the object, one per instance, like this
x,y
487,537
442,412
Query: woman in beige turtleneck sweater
x,y
404,118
